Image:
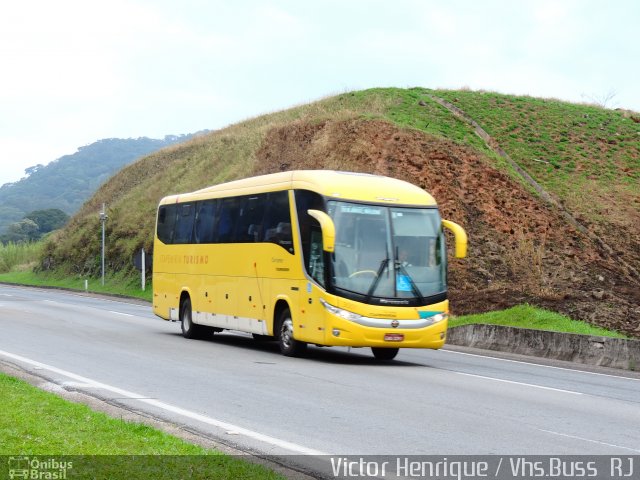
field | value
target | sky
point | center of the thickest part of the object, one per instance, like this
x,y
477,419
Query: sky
x,y
76,71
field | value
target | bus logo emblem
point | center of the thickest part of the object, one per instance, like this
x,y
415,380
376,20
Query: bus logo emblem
x,y
395,323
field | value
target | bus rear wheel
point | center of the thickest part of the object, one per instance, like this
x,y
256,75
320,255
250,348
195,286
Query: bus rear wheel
x,y
189,329
384,354
289,346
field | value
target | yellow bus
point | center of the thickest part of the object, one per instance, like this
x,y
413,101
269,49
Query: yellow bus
x,y
307,257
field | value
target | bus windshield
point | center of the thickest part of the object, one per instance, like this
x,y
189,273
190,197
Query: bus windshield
x,y
388,252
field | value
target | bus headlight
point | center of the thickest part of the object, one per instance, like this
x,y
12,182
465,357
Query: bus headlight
x,y
439,317
346,314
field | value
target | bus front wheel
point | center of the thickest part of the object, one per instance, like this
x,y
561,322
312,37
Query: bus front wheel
x,y
385,354
289,346
189,329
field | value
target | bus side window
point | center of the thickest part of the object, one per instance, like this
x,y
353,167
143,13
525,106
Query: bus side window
x,y
205,217
166,223
184,223
310,233
227,220
315,264
277,221
250,221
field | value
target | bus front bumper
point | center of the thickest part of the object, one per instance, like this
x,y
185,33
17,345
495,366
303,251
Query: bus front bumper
x,y
348,329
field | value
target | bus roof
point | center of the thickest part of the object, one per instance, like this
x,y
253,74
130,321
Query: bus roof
x,y
361,187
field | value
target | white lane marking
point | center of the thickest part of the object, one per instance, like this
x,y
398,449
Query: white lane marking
x,y
83,295
6,295
88,306
519,383
575,437
540,365
293,447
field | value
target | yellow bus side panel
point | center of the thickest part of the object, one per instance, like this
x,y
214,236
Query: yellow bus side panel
x,y
240,280
309,320
163,297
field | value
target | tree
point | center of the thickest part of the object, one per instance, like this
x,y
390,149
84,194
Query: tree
x,y
31,170
48,220
34,225
26,230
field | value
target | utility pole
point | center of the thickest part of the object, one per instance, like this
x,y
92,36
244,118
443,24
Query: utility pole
x,y
103,220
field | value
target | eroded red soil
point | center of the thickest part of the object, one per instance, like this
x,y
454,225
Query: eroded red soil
x,y
521,249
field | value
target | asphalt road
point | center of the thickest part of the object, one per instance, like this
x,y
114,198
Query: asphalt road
x,y
334,401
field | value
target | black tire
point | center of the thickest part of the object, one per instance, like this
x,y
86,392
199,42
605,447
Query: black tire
x,y
385,354
190,329
289,346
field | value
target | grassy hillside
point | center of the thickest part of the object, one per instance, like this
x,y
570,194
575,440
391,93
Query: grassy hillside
x,y
523,249
588,157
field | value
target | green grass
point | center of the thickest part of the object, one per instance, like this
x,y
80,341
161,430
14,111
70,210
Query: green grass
x,y
118,284
18,260
35,422
13,255
412,108
527,316
586,155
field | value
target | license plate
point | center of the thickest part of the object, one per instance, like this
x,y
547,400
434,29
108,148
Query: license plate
x,y
393,337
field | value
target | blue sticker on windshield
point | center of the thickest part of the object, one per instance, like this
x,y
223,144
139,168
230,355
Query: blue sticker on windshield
x,y
403,283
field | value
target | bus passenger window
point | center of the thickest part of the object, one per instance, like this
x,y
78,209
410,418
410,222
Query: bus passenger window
x,y
277,221
205,217
250,221
166,223
227,220
184,223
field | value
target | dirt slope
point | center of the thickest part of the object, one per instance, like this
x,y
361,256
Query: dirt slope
x,y
520,248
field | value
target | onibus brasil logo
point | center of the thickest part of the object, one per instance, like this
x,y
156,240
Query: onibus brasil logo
x,y
36,468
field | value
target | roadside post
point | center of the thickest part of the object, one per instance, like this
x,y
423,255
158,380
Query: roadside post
x,y
143,270
142,261
103,220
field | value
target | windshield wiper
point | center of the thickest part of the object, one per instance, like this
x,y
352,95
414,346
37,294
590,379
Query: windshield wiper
x,y
414,288
374,285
